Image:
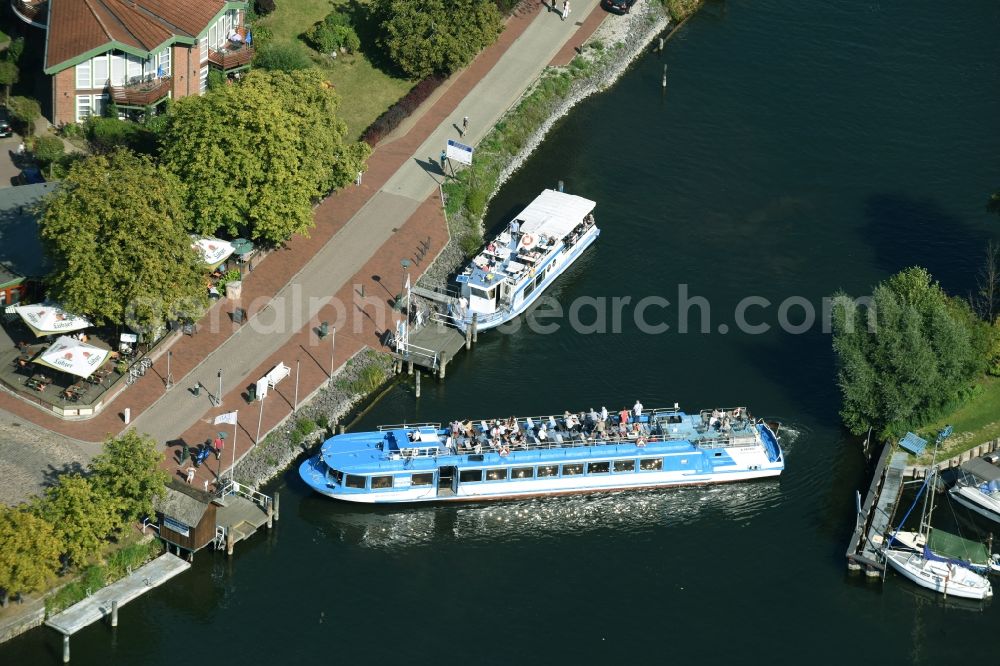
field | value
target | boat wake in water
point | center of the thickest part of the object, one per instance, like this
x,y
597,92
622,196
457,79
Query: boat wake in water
x,y
544,518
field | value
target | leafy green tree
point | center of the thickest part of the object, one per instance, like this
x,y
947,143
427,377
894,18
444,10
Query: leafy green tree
x,y
427,37
282,57
332,33
29,552
48,150
9,73
15,50
907,355
256,155
117,234
82,517
128,471
26,110
216,79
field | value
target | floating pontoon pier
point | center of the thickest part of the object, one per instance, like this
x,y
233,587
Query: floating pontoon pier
x,y
875,514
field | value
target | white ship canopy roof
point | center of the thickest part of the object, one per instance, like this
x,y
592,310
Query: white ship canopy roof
x,y
72,356
554,214
49,319
213,250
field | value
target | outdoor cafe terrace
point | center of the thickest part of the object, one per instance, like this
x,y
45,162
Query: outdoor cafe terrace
x,y
24,371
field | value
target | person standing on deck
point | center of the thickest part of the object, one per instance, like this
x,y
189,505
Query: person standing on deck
x,y
623,416
637,409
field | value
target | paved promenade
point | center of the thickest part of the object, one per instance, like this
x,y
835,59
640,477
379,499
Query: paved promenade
x,y
345,273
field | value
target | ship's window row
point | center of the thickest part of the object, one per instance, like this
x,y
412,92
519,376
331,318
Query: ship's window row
x,y
385,481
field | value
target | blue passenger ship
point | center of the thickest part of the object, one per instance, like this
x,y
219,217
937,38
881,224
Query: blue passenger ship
x,y
513,269
549,455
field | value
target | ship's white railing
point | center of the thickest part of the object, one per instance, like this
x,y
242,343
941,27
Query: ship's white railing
x,y
410,426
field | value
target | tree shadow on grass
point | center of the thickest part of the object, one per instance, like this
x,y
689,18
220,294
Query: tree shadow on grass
x,y
366,24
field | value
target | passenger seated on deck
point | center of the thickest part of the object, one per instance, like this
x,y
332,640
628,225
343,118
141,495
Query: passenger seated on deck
x,y
542,433
414,435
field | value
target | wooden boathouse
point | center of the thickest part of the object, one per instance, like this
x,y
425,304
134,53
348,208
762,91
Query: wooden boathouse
x,y
189,519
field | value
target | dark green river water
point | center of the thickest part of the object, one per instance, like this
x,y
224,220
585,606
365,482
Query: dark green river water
x,y
799,148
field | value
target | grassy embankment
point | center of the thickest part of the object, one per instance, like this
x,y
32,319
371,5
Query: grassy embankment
x,y
366,83
119,560
468,193
681,9
975,422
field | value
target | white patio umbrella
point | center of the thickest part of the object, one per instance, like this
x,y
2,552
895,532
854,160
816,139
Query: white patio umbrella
x,y
72,356
213,250
50,319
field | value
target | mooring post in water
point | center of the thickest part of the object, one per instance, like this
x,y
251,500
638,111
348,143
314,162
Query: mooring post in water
x,y
444,364
114,613
475,327
277,505
340,428
229,542
664,76
409,367
418,383
65,648
468,338
561,186
661,51
270,516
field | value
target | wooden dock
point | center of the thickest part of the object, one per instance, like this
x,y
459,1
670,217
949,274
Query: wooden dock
x,y
433,340
876,514
106,601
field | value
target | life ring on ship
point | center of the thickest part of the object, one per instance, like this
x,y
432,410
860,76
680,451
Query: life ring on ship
x,y
527,240
641,442
504,450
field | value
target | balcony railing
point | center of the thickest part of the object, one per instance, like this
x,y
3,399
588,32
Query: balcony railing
x,y
229,58
145,93
33,12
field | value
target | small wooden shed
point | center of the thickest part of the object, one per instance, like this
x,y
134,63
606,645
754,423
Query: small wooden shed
x,y
187,516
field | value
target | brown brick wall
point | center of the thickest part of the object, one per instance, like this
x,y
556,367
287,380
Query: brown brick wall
x,y
64,96
185,68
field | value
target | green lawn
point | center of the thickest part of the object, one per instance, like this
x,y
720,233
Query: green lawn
x,y
366,89
975,423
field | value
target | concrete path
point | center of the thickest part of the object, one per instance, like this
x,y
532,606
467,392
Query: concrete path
x,y
334,265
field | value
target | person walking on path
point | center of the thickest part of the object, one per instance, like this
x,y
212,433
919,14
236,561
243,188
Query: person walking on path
x,y
565,12
444,156
190,475
217,446
465,125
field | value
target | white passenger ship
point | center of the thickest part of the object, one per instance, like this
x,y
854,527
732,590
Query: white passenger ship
x,y
513,269
520,457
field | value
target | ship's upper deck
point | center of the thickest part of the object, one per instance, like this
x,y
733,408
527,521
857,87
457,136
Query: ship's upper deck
x,y
538,439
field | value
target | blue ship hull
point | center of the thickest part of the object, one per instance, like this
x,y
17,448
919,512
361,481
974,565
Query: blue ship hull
x,y
670,449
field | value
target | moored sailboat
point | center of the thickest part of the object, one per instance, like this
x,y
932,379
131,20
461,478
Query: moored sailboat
x,y
927,568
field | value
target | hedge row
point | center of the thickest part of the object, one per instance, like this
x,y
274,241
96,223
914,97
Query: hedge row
x,y
401,110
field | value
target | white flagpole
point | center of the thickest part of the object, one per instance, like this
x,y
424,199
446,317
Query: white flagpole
x,y
232,467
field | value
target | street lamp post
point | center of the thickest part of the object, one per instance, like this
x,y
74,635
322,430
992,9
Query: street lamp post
x,y
218,398
170,378
405,263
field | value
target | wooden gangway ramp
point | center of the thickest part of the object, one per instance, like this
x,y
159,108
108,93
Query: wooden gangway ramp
x,y
877,511
106,601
